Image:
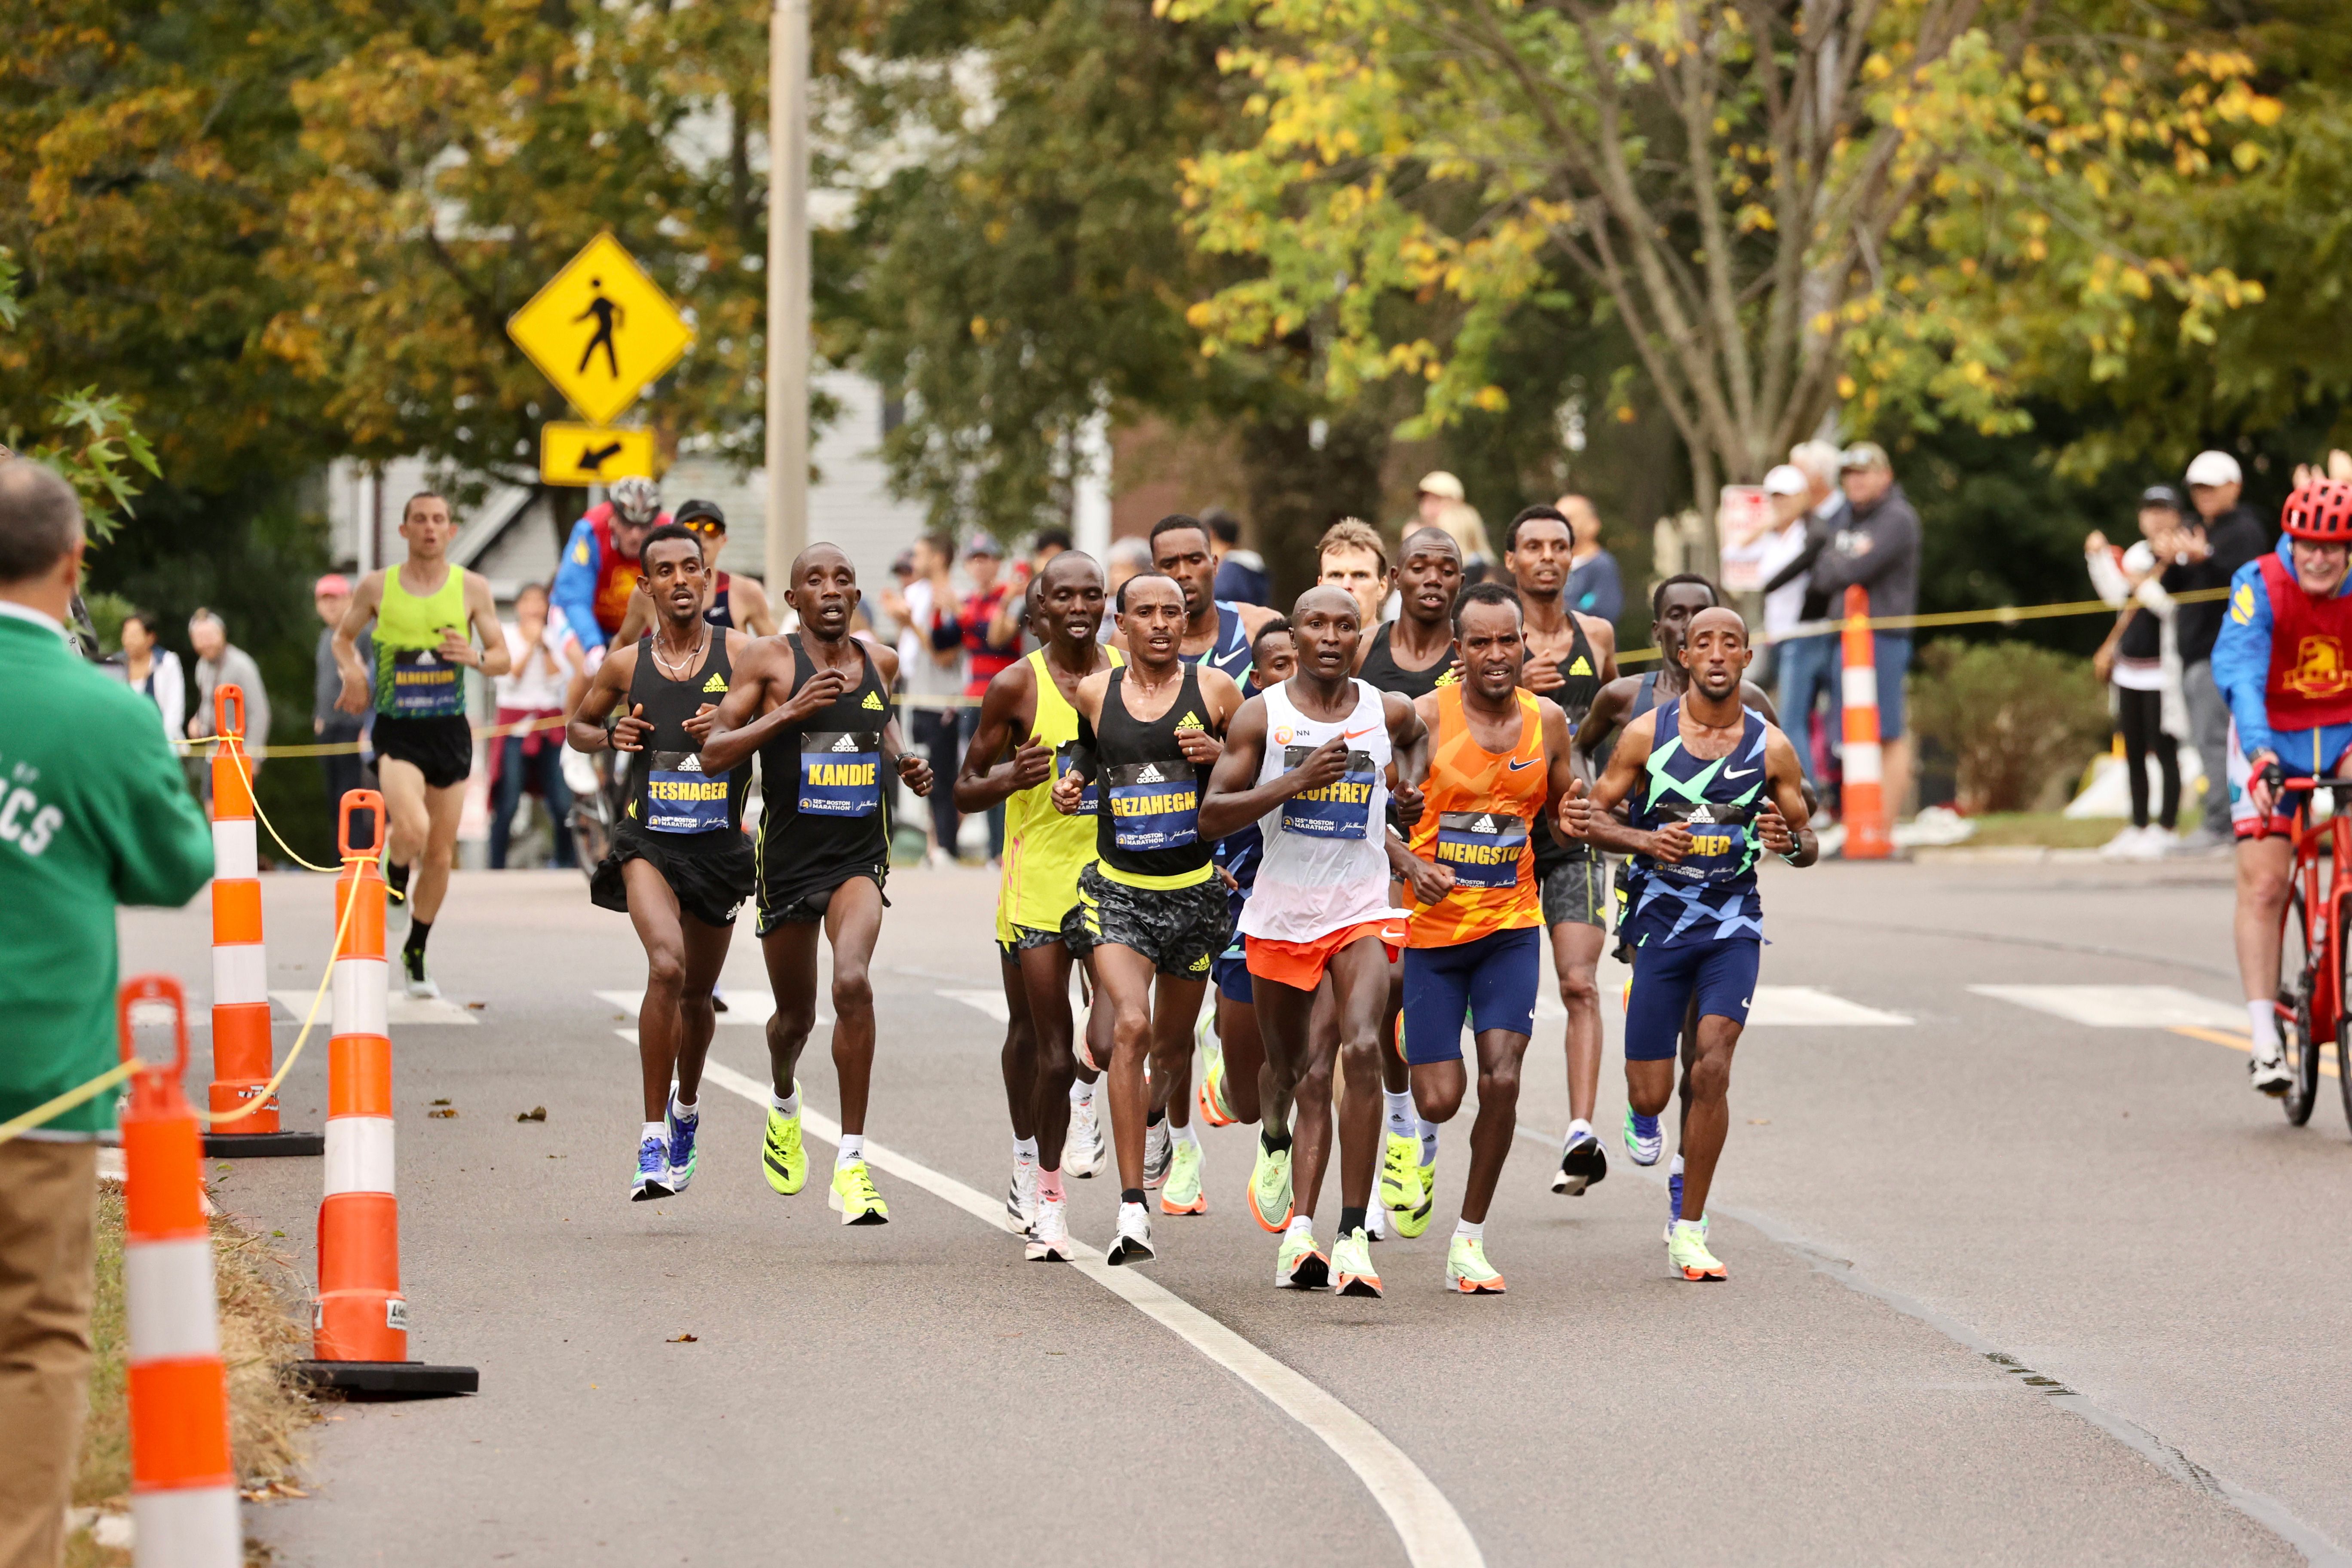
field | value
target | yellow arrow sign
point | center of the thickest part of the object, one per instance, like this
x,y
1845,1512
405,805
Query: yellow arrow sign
x,y
592,454
600,330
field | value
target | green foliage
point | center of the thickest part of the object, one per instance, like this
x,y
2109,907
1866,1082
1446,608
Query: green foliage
x,y
2011,715
96,444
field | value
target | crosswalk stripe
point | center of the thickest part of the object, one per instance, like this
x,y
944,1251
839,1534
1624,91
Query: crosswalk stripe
x,y
755,1005
400,1008
2122,1007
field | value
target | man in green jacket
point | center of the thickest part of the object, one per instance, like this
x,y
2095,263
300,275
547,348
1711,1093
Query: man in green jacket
x,y
93,813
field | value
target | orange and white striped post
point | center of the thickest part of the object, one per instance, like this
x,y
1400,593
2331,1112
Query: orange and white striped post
x,y
241,1049
184,1505
1867,835
360,1329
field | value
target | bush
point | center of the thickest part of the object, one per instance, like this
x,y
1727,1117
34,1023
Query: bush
x,y
2013,716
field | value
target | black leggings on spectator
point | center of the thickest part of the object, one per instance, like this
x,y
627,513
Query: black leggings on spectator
x,y
937,730
2139,717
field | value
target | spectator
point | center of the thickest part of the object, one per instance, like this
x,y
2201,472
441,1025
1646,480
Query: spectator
x,y
2221,537
96,817
1461,521
1594,587
331,597
930,671
1047,543
2133,661
153,671
1126,558
1791,493
1878,548
1350,556
220,662
1241,574
990,620
1808,666
531,758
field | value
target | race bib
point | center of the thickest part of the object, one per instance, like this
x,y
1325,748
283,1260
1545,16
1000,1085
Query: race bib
x,y
1091,798
1154,805
1721,846
1342,809
426,686
841,772
680,797
1483,847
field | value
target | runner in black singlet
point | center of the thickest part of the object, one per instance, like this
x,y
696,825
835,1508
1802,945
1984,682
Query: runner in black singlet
x,y
815,706
679,864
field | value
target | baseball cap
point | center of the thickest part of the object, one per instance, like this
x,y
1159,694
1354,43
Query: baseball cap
x,y
333,582
1786,479
2214,469
1862,455
903,565
698,512
1438,482
984,544
2160,495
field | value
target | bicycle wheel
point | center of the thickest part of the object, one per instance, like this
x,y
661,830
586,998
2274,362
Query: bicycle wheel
x,y
2344,1040
2297,971
591,836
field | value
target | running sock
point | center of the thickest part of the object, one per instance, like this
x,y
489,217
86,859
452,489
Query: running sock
x,y
1463,1227
1402,1123
790,1105
1049,1186
1185,1134
1350,1220
1025,1149
395,876
852,1150
1132,1195
685,1109
1428,1143
2264,1017
1274,1143
1579,1125
654,1131
417,932
1301,1221
1081,1091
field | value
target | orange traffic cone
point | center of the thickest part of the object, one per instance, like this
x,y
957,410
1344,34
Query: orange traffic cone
x,y
1867,831
184,1508
360,1329
241,1051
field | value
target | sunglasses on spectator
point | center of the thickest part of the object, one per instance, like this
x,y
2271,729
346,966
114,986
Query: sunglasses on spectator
x,y
707,527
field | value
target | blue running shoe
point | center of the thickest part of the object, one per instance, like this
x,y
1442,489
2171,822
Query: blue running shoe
x,y
653,1171
1644,1142
682,1153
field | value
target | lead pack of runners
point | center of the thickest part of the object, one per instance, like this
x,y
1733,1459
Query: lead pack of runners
x,y
1354,840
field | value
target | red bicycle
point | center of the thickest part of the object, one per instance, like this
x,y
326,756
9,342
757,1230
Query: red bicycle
x,y
2315,957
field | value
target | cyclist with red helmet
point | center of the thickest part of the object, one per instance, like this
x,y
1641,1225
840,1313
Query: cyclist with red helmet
x,y
2285,661
599,572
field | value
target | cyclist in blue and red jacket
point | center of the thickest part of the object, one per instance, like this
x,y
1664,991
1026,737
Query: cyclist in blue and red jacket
x,y
2285,661
599,570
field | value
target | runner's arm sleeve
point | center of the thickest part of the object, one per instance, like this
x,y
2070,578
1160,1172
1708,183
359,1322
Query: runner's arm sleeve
x,y
574,589
2241,658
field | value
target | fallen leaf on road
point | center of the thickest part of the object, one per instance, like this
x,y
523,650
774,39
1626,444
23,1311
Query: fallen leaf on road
x,y
441,1115
536,1113
440,1102
683,1340
1760,1122
475,1006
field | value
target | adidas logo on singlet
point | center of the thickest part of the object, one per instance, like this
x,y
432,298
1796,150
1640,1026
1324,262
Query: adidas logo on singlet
x,y
1149,776
717,682
844,744
690,764
873,700
1484,825
1191,721
1579,667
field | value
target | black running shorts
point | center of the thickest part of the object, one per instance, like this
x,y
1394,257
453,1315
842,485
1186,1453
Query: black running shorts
x,y
709,872
441,749
1180,930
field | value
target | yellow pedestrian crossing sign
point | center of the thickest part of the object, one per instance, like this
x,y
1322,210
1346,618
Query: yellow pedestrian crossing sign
x,y
592,454
600,330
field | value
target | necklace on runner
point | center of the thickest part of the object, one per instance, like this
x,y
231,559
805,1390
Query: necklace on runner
x,y
684,667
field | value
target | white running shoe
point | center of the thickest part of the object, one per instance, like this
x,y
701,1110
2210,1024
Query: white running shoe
x,y
1021,1198
1133,1243
2124,846
1159,1148
420,985
1049,1238
1082,1150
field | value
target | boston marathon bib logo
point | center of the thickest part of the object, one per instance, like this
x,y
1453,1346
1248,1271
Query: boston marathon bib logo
x,y
841,772
1066,757
1484,847
2318,670
682,798
1154,805
1342,809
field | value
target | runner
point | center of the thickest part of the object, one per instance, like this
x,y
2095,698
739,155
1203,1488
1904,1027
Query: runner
x,y
1569,657
815,705
1427,578
1310,761
421,612
1498,767
1027,731
729,600
1350,556
1151,903
679,863
1711,786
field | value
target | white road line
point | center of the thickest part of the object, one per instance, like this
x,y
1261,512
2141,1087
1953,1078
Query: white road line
x,y
1433,1533
989,1002
400,1008
2122,1007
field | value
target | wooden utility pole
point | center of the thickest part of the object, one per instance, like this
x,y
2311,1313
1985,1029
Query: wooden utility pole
x,y
788,292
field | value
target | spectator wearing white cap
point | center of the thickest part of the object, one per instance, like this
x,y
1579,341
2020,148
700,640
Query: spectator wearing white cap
x,y
1784,608
2220,536
1594,587
1807,666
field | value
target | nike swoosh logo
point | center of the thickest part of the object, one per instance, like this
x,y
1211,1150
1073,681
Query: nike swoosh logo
x,y
1737,772
1529,763
1356,734
1747,1001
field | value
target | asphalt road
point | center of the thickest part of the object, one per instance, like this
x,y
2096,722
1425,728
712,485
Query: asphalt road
x,y
2006,1285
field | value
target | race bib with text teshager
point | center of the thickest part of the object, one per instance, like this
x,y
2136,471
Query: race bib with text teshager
x,y
1154,805
1342,809
426,686
680,797
841,772
1483,847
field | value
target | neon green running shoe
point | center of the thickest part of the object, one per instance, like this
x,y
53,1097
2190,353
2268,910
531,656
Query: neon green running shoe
x,y
1216,1109
1351,1265
1181,1192
854,1198
1400,1171
1686,1252
1467,1270
783,1159
1412,1222
1269,1187
1300,1264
